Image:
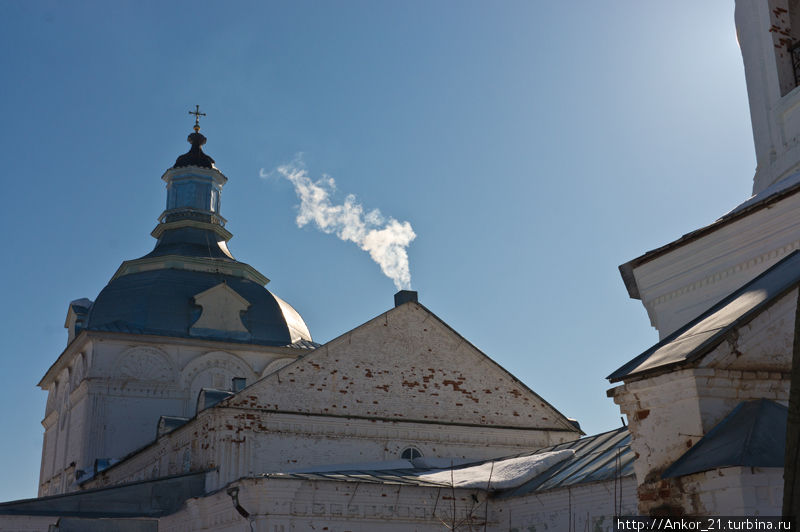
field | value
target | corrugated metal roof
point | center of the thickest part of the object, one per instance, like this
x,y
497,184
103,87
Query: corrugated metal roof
x,y
600,457
752,435
707,330
597,458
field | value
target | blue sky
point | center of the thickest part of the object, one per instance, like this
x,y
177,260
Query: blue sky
x,y
533,148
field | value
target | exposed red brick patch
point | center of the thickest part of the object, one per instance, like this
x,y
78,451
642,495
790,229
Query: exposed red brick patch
x,y
647,495
642,414
456,385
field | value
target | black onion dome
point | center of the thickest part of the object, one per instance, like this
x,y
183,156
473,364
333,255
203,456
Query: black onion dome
x,y
161,302
195,156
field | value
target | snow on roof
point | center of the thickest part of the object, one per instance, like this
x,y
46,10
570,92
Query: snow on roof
x,y
597,458
490,475
498,474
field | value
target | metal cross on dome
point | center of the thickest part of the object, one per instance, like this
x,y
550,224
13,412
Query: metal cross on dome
x,y
197,114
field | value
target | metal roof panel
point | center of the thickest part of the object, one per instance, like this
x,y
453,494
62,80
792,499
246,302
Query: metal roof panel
x,y
707,330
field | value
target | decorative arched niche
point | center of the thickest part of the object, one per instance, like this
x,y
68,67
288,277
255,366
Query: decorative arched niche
x,y
215,369
148,364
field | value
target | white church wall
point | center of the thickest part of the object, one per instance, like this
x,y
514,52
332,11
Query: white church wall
x,y
582,507
663,413
403,379
109,392
46,467
239,442
78,418
681,284
284,505
668,413
294,504
404,364
765,31
750,491
140,415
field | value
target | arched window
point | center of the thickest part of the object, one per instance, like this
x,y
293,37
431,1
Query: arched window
x,y
409,453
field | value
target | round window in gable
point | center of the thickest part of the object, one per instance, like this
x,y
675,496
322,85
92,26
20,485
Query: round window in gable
x,y
409,453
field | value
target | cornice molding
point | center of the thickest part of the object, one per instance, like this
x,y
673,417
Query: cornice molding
x,y
204,345
218,425
77,345
86,338
774,255
199,171
196,264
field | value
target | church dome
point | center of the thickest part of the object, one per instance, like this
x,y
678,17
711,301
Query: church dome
x,y
190,285
162,302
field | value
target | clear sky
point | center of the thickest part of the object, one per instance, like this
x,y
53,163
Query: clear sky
x,y
533,146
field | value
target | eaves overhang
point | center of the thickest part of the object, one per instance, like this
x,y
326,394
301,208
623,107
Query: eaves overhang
x,y
77,344
626,270
199,171
704,333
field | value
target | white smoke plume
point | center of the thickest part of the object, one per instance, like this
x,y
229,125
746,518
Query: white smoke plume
x,y
385,239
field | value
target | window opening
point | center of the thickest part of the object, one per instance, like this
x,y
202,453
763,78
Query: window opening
x,y
410,453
